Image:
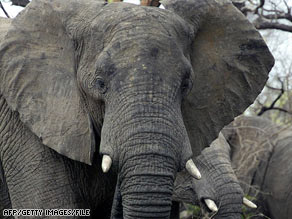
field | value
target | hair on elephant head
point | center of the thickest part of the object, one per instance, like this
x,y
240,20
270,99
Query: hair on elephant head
x,y
148,88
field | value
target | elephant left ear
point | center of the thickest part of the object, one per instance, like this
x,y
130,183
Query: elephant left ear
x,y
230,63
38,75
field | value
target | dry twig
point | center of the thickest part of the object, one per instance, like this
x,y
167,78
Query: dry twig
x,y
3,9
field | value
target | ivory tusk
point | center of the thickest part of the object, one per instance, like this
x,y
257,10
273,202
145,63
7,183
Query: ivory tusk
x,y
192,169
106,163
211,205
249,203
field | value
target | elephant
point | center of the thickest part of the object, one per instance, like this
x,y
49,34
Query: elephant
x,y
101,105
261,158
218,177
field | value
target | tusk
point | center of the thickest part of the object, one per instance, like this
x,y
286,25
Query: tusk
x,y
192,169
106,163
249,203
211,205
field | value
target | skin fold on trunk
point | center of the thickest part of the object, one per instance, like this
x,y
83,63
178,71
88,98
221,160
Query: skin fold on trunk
x,y
146,177
147,192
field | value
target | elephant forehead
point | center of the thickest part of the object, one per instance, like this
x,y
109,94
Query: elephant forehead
x,y
133,22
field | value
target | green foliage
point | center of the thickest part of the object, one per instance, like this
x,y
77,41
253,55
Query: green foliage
x,y
194,210
248,213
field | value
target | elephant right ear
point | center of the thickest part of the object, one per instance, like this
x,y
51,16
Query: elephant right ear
x,y
38,78
230,62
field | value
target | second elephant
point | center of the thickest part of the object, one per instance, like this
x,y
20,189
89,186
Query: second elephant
x,y
261,155
255,154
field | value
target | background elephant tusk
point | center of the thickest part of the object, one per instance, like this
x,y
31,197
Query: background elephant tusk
x,y
211,205
192,169
249,203
106,163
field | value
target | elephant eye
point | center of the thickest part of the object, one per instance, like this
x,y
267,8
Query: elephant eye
x,y
186,86
100,85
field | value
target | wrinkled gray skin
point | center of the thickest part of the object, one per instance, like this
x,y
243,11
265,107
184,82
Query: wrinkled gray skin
x,y
218,178
5,202
261,157
148,87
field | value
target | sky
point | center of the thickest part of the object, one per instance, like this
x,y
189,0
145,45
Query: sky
x,y
11,10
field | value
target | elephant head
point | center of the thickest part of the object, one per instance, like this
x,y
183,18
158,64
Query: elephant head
x,y
218,183
145,88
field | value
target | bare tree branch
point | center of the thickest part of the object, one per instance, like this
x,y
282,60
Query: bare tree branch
x,y
272,106
1,6
273,88
278,16
154,3
275,108
21,3
271,25
261,5
288,8
281,109
267,17
280,95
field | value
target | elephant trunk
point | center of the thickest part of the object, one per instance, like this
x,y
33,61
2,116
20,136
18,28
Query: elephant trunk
x,y
148,163
216,165
148,149
146,186
231,195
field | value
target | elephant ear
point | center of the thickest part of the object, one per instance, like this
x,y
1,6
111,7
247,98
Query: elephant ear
x,y
38,77
230,62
